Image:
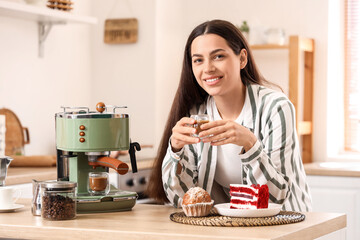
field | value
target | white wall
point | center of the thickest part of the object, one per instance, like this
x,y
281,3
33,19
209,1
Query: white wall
x,y
123,74
79,69
305,18
35,88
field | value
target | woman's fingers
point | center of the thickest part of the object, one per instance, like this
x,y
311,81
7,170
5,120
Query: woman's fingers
x,y
221,132
182,133
184,138
184,127
221,141
213,129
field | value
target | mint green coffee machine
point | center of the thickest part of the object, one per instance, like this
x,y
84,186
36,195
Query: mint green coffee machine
x,y
84,140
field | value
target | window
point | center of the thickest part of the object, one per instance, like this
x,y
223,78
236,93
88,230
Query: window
x,y
352,75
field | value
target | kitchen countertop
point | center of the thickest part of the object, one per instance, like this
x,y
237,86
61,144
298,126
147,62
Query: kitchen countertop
x,y
21,175
153,222
339,169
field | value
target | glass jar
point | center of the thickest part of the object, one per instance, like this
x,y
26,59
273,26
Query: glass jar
x,y
58,201
275,36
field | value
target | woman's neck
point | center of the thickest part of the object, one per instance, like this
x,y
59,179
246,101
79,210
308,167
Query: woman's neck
x,y
231,105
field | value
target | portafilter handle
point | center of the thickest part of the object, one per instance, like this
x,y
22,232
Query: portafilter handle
x,y
119,166
133,147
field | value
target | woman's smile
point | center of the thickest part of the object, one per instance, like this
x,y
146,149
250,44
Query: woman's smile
x,y
215,65
213,80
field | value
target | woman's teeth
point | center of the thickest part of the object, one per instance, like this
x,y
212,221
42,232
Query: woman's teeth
x,y
213,79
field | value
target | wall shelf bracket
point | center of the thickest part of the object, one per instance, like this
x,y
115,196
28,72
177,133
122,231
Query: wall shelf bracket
x,y
44,29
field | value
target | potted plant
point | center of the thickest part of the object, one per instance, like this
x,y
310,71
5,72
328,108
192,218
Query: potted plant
x,y
244,28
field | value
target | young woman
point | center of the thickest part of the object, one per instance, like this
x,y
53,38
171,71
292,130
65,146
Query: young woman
x,y
251,137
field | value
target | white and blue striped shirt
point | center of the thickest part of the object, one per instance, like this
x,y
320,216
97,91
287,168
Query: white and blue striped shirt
x,y
274,160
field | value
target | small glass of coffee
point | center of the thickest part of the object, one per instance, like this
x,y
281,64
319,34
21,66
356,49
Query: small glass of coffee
x,y
200,119
98,183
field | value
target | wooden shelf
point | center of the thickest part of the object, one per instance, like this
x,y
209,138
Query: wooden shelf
x,y
45,17
268,46
297,48
41,14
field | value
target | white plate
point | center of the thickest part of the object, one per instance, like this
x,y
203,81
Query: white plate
x,y
13,208
225,210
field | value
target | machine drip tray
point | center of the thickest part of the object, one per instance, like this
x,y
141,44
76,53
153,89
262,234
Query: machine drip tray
x,y
113,202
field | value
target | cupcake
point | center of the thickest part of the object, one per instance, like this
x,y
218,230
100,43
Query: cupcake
x,y
197,202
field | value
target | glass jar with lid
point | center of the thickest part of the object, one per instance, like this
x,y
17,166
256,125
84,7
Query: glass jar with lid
x,y
58,201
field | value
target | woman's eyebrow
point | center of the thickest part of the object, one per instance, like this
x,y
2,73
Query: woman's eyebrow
x,y
216,50
211,53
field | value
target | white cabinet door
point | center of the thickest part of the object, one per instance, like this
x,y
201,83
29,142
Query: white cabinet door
x,y
340,195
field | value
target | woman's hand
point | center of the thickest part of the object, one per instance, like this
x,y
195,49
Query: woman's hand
x,y
181,134
222,132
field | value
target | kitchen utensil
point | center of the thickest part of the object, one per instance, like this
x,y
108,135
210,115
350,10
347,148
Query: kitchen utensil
x,y
2,135
16,135
84,140
4,164
36,200
33,161
8,196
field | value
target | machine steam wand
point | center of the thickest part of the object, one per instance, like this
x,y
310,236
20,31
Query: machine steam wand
x,y
133,147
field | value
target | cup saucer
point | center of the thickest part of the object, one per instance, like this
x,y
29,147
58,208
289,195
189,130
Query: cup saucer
x,y
12,208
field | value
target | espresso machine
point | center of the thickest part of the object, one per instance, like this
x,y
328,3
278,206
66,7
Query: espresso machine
x,y
84,140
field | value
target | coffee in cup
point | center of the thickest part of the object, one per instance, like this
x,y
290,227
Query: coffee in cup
x,y
98,183
8,197
200,119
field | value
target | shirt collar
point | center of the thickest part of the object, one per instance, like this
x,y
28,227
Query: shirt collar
x,y
249,107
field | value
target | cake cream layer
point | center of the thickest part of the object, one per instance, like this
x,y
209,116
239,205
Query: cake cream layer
x,y
243,203
248,197
241,188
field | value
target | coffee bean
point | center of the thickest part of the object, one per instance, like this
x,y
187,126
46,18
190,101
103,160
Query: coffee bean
x,y
57,207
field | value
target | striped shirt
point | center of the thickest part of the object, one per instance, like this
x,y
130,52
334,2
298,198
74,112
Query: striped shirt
x,y
274,159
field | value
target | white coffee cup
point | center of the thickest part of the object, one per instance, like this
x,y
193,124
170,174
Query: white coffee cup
x,y
8,197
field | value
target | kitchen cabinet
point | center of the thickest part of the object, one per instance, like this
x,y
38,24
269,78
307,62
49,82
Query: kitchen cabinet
x,y
340,195
301,78
45,17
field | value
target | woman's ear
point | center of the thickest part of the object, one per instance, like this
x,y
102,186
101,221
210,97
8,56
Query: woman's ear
x,y
243,58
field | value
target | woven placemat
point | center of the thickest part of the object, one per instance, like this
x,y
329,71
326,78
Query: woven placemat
x,y
214,219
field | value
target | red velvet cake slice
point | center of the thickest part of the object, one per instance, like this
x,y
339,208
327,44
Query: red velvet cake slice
x,y
249,197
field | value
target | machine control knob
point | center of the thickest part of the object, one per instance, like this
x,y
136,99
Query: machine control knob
x,y
82,127
142,180
82,140
82,134
130,182
100,107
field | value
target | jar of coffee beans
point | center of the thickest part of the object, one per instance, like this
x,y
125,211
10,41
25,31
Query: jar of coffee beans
x,y
58,201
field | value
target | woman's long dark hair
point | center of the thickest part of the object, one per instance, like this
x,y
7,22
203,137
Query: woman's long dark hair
x,y
190,94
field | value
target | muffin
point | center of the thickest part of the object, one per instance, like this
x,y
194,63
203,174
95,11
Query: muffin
x,y
197,202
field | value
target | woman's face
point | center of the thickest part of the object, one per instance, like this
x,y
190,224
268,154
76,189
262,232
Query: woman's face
x,y
215,66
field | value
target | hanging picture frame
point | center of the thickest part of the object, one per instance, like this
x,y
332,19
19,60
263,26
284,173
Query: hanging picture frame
x,y
120,31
